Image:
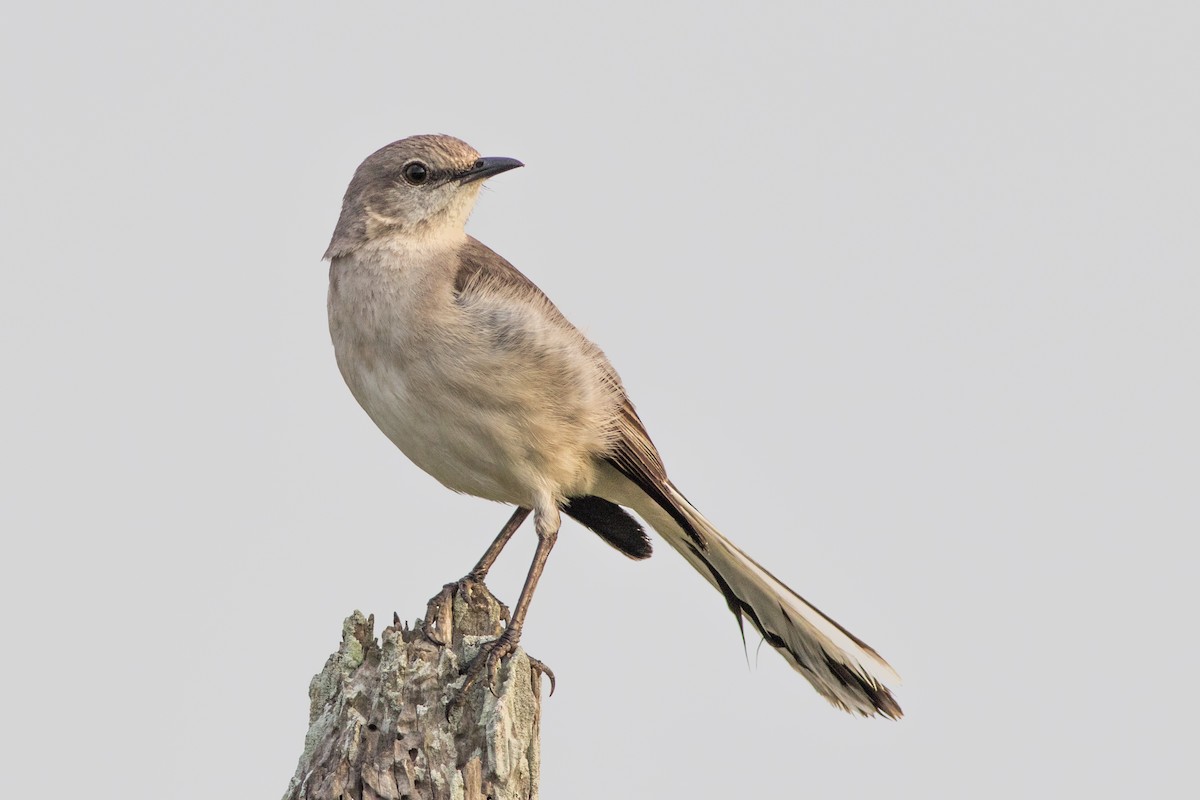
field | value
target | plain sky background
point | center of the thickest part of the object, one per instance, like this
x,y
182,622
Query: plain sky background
x,y
906,294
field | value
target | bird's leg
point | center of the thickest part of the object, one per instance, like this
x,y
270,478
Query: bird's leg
x,y
480,570
490,654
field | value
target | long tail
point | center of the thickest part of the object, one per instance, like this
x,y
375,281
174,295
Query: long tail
x,y
843,668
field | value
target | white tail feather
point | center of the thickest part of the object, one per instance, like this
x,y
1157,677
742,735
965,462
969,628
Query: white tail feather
x,y
840,667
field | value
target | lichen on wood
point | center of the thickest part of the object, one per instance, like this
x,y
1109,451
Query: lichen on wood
x,y
388,721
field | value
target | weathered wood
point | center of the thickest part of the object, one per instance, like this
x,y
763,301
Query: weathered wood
x,y
387,720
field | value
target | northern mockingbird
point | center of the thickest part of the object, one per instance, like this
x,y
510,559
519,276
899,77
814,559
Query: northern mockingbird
x,y
475,375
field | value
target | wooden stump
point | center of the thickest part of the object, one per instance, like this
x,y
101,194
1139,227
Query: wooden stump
x,y
387,719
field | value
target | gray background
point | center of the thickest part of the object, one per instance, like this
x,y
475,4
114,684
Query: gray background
x,y
906,295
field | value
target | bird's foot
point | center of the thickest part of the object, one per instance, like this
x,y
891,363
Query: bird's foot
x,y
486,664
476,575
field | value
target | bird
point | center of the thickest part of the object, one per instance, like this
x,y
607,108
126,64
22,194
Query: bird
x,y
479,379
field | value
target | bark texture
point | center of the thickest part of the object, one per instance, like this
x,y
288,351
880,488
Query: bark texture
x,y
387,718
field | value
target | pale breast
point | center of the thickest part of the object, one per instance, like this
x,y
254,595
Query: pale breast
x,y
489,395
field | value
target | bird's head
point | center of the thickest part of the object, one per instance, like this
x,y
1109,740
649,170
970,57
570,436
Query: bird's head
x,y
422,188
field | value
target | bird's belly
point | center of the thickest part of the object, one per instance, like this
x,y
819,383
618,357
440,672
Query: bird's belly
x,y
466,431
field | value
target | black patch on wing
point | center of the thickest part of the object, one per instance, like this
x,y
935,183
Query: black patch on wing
x,y
611,523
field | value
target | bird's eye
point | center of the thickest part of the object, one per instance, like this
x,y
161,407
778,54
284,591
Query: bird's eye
x,y
416,173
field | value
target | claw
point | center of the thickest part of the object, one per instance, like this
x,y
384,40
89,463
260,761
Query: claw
x,y
542,669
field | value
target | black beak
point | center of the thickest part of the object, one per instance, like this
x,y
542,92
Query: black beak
x,y
487,167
